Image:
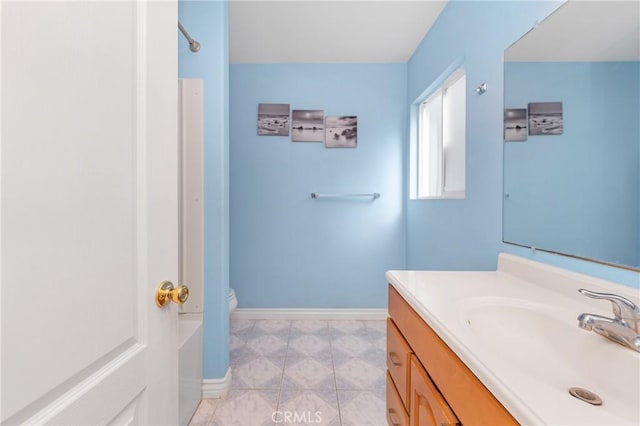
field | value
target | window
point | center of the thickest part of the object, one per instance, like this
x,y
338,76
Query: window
x,y
440,162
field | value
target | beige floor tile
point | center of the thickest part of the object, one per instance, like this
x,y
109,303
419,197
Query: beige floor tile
x,y
359,374
204,413
318,327
305,407
359,408
272,327
308,373
257,373
268,345
309,345
246,408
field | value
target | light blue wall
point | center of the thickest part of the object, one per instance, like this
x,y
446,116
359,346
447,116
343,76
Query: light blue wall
x,y
207,22
577,192
288,250
467,234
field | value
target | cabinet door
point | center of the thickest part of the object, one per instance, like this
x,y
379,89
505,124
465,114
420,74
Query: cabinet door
x,y
428,406
396,414
398,359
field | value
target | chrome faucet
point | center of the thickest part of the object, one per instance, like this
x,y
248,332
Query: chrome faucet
x,y
623,328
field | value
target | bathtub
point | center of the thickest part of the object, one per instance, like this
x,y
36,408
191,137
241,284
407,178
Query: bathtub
x,y
189,365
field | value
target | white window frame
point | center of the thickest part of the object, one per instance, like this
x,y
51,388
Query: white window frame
x,y
433,139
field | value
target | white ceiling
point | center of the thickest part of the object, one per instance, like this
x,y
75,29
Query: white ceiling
x,y
323,31
583,31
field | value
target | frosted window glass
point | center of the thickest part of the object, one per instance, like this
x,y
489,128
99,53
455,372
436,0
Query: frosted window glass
x,y
430,147
453,137
441,129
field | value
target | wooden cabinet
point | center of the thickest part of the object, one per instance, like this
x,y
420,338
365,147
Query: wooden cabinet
x,y
396,413
398,361
439,388
428,406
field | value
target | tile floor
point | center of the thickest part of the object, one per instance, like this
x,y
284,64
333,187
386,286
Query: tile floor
x,y
302,372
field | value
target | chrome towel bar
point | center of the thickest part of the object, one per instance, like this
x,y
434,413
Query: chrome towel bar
x,y
317,195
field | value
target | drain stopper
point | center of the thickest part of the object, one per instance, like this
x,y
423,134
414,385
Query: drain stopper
x,y
585,395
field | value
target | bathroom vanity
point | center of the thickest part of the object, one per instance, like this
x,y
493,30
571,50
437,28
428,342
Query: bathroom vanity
x,y
417,359
504,347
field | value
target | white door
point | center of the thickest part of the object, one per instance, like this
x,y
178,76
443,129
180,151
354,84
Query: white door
x,y
88,212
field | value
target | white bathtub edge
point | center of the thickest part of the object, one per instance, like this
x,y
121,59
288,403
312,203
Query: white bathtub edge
x,y
189,366
216,388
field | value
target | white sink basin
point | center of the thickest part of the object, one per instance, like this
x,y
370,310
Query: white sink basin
x,y
543,343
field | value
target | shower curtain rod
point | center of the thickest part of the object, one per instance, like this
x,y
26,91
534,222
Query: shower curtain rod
x,y
193,45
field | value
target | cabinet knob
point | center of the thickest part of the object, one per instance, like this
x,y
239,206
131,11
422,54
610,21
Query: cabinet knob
x,y
394,359
390,416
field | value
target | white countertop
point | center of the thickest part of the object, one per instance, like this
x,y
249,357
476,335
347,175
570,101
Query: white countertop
x,y
516,329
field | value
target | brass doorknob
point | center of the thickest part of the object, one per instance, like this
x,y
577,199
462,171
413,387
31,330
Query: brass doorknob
x,y
166,293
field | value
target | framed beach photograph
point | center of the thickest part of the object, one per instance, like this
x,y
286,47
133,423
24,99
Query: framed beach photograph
x,y
341,132
307,125
545,118
515,124
273,119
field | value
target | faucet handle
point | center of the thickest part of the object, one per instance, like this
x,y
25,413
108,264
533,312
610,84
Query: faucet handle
x,y
623,308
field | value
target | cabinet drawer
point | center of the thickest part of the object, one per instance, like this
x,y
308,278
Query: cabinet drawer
x,y
468,397
398,359
428,407
396,414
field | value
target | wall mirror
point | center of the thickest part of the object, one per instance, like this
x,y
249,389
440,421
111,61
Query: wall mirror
x,y
572,134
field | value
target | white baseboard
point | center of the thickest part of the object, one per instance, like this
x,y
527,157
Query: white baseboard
x,y
216,388
309,314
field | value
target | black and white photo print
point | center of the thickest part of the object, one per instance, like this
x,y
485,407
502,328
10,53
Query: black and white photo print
x,y
515,124
342,132
273,119
308,125
545,118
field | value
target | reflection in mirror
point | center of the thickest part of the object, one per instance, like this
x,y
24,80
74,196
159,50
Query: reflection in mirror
x,y
575,190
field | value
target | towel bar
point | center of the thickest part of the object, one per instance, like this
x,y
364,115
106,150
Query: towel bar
x,y
317,195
